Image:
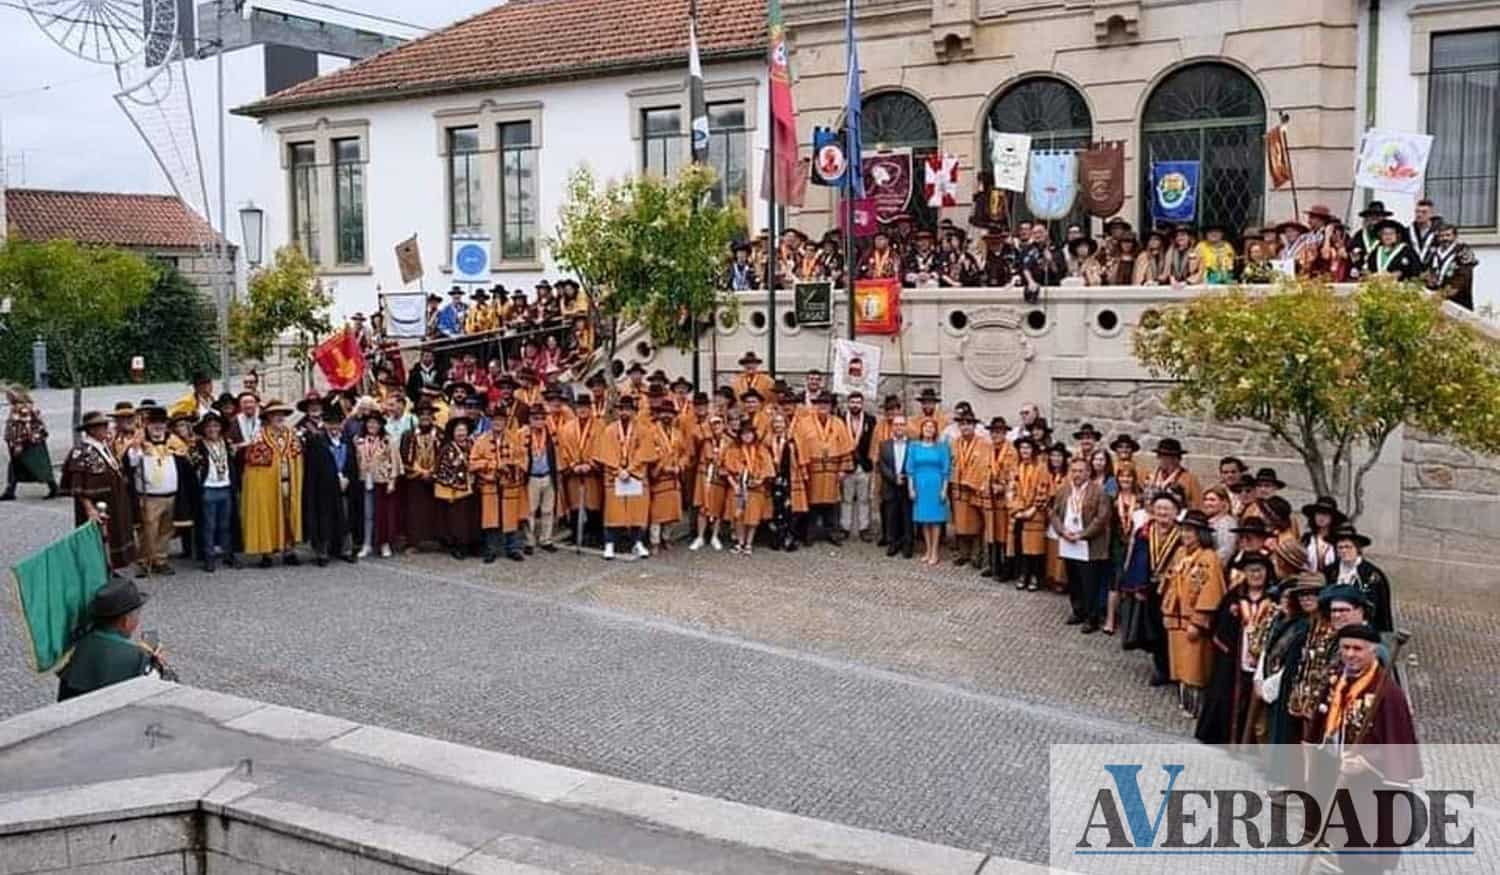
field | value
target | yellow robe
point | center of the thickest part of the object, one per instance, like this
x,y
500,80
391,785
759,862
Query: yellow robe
x,y
575,446
1001,461
666,473
618,449
272,516
1190,594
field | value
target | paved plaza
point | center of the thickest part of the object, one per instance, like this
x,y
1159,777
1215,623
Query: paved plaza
x,y
831,683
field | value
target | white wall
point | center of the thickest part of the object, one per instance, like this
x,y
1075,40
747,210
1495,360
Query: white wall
x,y
1400,104
583,122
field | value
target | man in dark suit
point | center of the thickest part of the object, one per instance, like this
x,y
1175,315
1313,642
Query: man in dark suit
x,y
854,516
1081,516
332,495
895,497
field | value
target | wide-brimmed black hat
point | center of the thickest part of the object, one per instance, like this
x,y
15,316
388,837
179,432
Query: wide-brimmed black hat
x,y
1025,439
1087,430
739,246
749,394
1268,475
626,402
1391,225
308,400
1253,526
636,368
750,358
91,419
929,395
1360,632
1373,209
454,419
451,387
1324,504
1197,519
1169,447
1084,242
374,414
1244,484
1124,439
1117,222
274,407
226,398
682,383
203,421
123,409
998,423
118,597
1255,558
1349,533
1343,592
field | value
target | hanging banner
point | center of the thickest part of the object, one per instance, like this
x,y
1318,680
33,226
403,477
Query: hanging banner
x,y
888,181
791,180
1174,190
812,304
409,260
829,159
1278,157
1392,161
940,180
856,368
405,314
877,306
1010,156
865,224
471,258
341,360
1101,178
1052,184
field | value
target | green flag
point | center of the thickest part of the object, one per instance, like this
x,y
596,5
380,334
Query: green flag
x,y
53,587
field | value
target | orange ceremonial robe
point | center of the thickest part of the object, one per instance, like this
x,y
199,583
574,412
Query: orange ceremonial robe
x,y
630,450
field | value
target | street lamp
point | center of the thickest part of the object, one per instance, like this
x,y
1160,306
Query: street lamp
x,y
251,226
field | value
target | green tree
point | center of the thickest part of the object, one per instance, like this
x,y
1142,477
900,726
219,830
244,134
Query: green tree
x,y
283,297
1332,375
63,292
651,250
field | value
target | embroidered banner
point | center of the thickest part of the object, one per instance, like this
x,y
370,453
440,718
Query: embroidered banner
x,y
1052,184
829,159
888,181
864,218
1392,161
856,368
405,314
409,260
1101,177
877,306
1010,155
1278,157
940,183
1174,190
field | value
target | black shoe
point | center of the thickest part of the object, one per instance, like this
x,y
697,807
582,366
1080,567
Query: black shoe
x,y
516,557
321,561
165,570
528,550
1089,628
231,562
350,557
457,553
51,491
265,562
1160,680
961,561
905,554
1033,586
792,546
291,559
141,573
9,495
883,542
865,537
835,541
489,558
892,550
549,548
209,566
1074,621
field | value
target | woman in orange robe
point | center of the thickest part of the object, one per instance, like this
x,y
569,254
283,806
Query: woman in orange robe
x,y
497,462
970,471
747,466
583,488
1030,490
709,487
1057,473
666,473
999,468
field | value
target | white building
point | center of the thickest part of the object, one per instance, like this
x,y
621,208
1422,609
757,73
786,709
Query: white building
x,y
1436,68
475,129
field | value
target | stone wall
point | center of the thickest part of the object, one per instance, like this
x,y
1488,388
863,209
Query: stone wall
x,y
1450,503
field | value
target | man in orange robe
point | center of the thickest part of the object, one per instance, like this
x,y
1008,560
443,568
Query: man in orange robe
x,y
583,489
666,472
497,461
928,402
624,453
970,472
827,451
999,471
751,377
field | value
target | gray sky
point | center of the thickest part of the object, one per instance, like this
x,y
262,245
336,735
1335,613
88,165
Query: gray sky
x,y
60,127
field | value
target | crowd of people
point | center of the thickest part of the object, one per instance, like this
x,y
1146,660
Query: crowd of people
x,y
1232,593
1027,255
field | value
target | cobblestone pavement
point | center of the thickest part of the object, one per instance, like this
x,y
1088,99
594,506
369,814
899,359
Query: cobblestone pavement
x,y
833,683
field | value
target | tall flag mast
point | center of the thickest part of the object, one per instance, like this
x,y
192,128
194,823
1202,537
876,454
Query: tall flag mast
x,y
854,170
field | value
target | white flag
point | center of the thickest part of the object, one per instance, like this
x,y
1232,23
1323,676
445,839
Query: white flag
x,y
1010,155
1392,161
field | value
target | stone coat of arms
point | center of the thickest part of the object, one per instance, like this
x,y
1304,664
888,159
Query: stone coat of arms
x,y
994,353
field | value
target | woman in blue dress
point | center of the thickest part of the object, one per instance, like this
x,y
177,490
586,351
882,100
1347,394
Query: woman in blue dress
x,y
928,467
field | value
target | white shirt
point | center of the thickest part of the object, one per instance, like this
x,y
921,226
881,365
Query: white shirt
x,y
898,451
216,477
249,426
155,475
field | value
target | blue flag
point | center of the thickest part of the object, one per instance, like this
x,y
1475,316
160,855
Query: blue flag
x,y
1174,190
1052,183
829,160
856,174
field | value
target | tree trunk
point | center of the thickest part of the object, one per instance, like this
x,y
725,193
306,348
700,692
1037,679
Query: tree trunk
x,y
1375,449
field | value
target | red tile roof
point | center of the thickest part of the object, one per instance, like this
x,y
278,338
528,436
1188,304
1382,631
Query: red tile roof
x,y
536,40
142,220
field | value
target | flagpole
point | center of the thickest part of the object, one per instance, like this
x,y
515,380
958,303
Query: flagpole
x,y
849,266
1286,141
773,241
693,150
853,162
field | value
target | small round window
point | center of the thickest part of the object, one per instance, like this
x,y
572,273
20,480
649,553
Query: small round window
x,y
1107,320
1036,320
958,320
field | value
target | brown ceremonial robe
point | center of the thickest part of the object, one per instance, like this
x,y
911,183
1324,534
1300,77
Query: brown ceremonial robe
x,y
710,491
1183,478
1030,490
966,487
631,449
827,449
575,446
747,469
914,424
419,509
1001,464
92,475
760,381
666,473
1190,595
497,462
784,445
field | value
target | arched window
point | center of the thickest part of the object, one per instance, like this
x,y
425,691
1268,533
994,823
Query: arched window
x,y
897,120
1211,113
1054,114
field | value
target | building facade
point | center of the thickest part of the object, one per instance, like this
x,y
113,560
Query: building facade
x,y
436,140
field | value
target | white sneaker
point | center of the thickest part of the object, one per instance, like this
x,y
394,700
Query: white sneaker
x,y
640,550
364,551
609,550
385,551
717,544
697,543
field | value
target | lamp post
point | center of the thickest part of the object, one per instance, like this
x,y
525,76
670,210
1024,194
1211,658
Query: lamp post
x,y
252,219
